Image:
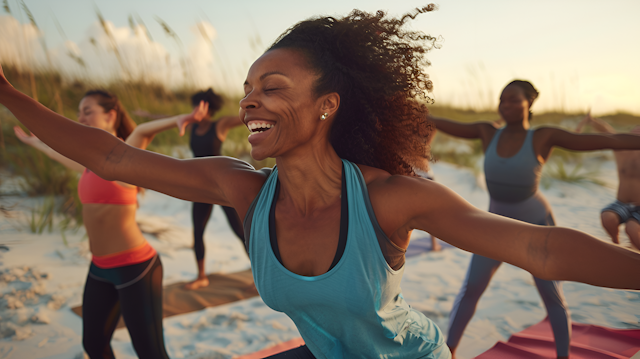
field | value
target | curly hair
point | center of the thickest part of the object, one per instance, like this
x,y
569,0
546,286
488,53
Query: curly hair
x,y
530,92
377,68
124,125
214,100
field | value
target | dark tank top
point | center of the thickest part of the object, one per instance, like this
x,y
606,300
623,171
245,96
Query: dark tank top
x,y
205,145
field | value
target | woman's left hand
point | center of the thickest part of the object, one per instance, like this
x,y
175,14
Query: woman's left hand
x,y
200,112
30,140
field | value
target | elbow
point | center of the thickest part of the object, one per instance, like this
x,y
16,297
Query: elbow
x,y
109,167
543,256
555,252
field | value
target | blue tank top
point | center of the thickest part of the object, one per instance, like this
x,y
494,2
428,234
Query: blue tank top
x,y
515,178
356,309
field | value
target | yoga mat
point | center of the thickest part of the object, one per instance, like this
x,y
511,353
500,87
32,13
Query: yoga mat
x,y
278,348
222,289
587,342
536,342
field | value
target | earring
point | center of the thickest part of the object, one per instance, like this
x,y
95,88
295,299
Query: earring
x,y
324,116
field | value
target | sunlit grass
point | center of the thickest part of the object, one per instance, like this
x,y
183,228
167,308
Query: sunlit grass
x,y
57,186
576,174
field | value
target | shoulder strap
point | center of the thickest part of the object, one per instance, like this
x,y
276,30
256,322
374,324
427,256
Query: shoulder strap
x,y
394,255
248,219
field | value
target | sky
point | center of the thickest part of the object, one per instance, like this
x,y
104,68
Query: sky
x,y
580,55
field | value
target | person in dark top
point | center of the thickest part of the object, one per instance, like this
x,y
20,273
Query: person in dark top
x,y
339,103
206,140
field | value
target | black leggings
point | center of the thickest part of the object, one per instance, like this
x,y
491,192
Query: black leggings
x,y
200,214
136,292
297,353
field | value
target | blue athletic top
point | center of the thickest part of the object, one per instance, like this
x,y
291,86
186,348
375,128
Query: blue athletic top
x,y
515,178
356,309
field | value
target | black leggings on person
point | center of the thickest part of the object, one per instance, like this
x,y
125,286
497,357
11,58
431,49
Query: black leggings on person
x,y
200,214
297,353
136,292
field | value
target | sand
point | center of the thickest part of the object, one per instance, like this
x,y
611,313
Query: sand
x,y
41,278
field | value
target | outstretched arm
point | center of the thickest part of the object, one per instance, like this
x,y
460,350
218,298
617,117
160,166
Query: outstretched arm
x,y
144,133
210,180
35,142
551,253
589,142
465,130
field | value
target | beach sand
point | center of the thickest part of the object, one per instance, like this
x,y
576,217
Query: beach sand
x,y
41,278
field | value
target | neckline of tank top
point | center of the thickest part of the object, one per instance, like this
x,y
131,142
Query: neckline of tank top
x,y
522,147
342,237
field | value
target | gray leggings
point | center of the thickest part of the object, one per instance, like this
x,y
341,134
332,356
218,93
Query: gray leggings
x,y
534,210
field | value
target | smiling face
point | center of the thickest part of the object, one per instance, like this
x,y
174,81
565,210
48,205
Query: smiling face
x,y
514,106
90,113
280,108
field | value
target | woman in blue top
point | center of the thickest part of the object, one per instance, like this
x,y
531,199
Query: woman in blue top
x,y
335,101
514,156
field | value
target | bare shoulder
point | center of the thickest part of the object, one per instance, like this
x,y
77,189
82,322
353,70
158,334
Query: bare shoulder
x,y
381,181
545,134
487,130
241,173
397,200
239,180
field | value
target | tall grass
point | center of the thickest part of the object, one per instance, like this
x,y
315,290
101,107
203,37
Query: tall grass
x,y
43,177
576,173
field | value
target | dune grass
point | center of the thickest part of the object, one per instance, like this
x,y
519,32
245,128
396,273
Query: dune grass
x,y
57,186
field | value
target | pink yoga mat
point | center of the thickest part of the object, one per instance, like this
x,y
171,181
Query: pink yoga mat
x,y
278,348
536,342
587,342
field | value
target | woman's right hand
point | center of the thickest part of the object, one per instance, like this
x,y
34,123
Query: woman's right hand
x,y
30,140
587,120
199,112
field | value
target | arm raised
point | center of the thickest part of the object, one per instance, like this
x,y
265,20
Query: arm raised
x,y
464,130
211,180
589,142
35,142
143,134
551,253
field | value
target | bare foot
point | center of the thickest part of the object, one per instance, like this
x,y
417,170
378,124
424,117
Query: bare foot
x,y
198,283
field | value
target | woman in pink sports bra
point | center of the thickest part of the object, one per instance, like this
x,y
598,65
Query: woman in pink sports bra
x,y
335,93
125,276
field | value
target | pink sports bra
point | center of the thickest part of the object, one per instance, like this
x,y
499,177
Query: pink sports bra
x,y
93,189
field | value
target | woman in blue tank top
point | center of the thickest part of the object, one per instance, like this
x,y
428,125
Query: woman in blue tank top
x,y
339,103
514,156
